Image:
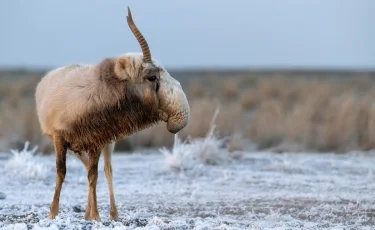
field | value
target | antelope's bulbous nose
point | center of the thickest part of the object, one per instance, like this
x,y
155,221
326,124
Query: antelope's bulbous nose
x,y
174,104
177,123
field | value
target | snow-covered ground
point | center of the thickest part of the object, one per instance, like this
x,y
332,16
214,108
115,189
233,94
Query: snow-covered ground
x,y
156,190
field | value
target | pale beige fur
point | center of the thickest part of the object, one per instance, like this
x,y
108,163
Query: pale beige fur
x,y
68,100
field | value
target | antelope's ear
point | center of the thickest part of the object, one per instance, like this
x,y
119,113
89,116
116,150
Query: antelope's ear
x,y
123,68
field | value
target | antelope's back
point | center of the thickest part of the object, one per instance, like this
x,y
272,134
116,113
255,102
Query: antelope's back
x,y
54,93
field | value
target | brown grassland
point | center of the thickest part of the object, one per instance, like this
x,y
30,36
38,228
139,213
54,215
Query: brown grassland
x,y
282,111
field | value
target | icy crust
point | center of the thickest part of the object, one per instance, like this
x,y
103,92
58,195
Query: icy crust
x,y
162,190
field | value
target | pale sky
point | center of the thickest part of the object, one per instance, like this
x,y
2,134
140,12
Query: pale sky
x,y
191,33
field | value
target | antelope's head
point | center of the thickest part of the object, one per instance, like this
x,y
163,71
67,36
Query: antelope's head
x,y
152,83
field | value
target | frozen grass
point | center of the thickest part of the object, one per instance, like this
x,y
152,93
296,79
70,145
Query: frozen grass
x,y
26,164
191,153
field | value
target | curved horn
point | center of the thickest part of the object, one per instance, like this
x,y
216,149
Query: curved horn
x,y
141,40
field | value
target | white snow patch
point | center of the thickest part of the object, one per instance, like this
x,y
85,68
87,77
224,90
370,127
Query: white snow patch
x,y
157,222
52,227
26,164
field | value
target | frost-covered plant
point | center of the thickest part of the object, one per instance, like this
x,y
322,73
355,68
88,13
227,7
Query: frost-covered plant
x,y
26,164
180,156
207,151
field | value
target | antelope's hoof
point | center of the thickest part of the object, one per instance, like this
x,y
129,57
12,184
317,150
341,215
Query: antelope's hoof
x,y
87,215
95,217
113,217
51,216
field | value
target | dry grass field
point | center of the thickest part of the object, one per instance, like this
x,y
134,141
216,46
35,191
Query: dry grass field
x,y
284,111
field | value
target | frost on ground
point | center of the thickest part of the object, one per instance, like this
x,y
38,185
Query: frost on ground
x,y
261,190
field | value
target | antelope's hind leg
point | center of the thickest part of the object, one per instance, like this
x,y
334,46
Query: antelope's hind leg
x,y
60,149
92,177
107,152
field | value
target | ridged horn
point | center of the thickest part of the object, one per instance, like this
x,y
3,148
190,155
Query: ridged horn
x,y
141,40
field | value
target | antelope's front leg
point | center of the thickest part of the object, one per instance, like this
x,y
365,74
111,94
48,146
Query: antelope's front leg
x,y
92,176
107,152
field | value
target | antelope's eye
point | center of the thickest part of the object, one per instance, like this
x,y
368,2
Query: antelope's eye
x,y
151,78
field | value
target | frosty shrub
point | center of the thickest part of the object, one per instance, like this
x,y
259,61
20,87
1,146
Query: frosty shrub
x,y
26,164
190,153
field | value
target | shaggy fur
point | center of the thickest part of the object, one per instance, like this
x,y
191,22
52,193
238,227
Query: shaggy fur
x,y
124,116
87,108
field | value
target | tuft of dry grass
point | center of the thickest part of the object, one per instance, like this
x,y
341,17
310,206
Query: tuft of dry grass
x,y
229,89
196,89
266,124
249,99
